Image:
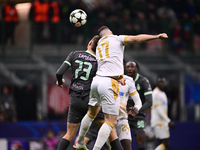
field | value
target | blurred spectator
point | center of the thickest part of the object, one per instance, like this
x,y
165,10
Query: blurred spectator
x,y
141,20
169,12
39,14
192,8
196,24
50,141
54,17
7,106
187,36
10,16
138,5
151,9
179,10
196,31
177,41
142,23
165,26
17,146
153,24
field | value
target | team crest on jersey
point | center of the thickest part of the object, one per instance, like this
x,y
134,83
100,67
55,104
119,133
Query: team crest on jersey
x,y
138,87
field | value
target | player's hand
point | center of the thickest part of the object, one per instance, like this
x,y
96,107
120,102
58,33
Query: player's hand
x,y
172,125
61,86
132,112
162,36
122,81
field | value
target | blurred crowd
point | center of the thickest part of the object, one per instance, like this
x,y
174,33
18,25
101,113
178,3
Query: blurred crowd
x,y
180,19
7,106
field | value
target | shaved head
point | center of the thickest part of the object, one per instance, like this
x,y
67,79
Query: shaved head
x,y
103,31
133,63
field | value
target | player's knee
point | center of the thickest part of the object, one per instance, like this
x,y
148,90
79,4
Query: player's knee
x,y
91,115
140,139
111,124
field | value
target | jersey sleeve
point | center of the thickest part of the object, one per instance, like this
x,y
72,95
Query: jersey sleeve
x,y
158,107
134,94
123,39
147,95
63,68
131,87
147,87
69,59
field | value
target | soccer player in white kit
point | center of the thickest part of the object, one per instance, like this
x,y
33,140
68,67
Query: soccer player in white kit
x,y
122,126
105,88
160,121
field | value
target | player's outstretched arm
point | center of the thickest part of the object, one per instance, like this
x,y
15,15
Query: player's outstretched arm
x,y
145,37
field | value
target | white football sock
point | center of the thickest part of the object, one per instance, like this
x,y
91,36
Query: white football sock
x,y
103,135
85,125
160,147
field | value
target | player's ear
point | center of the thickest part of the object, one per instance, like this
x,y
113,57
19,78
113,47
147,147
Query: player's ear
x,y
90,43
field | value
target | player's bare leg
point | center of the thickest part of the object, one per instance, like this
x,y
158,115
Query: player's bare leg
x,y
126,144
72,129
140,140
114,141
85,125
105,130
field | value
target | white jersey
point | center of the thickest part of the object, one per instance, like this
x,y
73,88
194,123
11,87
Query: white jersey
x,y
159,108
124,92
110,54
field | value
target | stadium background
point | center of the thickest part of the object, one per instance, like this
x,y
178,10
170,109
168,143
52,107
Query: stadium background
x,y
28,65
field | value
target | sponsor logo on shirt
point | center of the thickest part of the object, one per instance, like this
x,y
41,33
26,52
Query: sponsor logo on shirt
x,y
86,57
121,93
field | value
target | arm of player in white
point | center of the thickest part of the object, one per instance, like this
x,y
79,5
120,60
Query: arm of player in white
x,y
145,37
161,113
137,100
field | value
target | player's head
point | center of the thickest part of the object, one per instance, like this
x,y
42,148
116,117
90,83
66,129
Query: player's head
x,y
93,43
103,31
161,82
131,68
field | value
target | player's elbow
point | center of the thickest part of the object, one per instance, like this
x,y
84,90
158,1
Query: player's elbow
x,y
150,103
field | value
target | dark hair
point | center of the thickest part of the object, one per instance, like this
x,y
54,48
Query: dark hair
x,y
95,40
137,66
101,29
161,78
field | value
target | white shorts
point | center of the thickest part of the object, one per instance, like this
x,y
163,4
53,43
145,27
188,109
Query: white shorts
x,y
123,130
161,132
104,92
